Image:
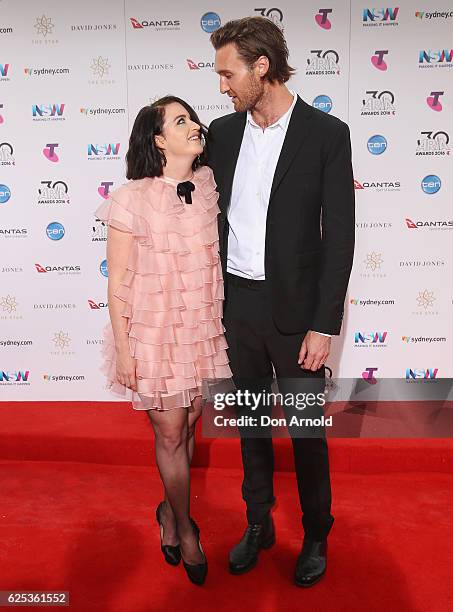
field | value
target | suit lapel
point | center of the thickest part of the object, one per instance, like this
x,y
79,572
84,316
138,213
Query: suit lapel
x,y
295,135
234,146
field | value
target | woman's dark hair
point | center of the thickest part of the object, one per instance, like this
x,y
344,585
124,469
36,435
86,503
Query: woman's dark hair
x,y
144,158
254,37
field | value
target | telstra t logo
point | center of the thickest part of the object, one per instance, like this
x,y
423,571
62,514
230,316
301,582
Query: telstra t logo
x,y
378,59
433,100
368,375
322,19
49,151
104,189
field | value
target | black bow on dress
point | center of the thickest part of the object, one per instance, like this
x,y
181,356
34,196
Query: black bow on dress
x,y
185,189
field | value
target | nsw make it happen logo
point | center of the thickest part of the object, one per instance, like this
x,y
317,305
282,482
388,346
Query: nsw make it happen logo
x,y
374,339
48,112
104,151
378,17
322,20
433,100
435,58
4,68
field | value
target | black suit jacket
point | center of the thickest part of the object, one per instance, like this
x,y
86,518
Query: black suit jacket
x,y
310,219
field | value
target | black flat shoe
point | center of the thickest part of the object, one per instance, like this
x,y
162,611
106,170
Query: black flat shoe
x,y
244,556
312,563
172,554
197,572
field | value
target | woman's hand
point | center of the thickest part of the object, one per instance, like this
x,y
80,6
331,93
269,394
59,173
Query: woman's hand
x,y
125,369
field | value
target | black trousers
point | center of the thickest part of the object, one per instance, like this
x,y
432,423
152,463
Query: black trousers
x,y
256,350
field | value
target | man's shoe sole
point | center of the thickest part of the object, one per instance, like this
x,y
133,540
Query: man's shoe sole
x,y
244,570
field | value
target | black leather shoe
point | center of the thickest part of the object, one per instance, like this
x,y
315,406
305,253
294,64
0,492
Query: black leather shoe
x,y
197,572
311,563
244,556
172,554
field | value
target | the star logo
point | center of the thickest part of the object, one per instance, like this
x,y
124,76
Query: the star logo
x,y
100,66
61,340
373,261
8,304
43,25
426,299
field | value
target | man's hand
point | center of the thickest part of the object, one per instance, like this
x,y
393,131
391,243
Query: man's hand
x,y
314,351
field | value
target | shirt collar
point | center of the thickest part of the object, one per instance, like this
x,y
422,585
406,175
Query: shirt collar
x,y
284,119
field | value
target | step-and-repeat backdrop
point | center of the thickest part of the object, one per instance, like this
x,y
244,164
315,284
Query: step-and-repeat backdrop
x,y
72,79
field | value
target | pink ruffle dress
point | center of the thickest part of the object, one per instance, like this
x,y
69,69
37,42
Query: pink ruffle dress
x,y
172,291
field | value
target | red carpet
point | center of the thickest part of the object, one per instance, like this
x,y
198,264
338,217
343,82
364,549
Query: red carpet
x,y
78,499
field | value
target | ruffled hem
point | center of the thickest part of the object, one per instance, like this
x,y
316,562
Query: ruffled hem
x,y
162,403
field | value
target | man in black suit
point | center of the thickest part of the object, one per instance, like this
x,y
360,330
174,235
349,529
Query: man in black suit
x,y
286,229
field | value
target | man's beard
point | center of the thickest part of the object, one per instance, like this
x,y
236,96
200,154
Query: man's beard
x,y
252,96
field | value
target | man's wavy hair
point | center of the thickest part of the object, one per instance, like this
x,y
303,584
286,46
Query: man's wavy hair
x,y
144,158
253,37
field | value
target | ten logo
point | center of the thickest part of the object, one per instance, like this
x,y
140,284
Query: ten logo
x,y
103,268
377,144
55,231
5,194
431,184
210,22
323,103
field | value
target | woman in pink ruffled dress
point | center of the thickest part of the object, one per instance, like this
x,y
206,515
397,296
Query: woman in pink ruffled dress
x,y
165,293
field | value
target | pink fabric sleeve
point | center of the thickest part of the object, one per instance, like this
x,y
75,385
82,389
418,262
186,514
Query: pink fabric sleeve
x,y
116,210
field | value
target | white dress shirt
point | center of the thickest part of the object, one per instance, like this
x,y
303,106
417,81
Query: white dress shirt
x,y
247,213
255,169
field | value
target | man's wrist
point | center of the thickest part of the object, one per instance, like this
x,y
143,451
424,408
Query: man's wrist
x,y
322,333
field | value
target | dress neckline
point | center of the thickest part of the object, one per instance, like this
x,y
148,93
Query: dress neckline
x,y
172,181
